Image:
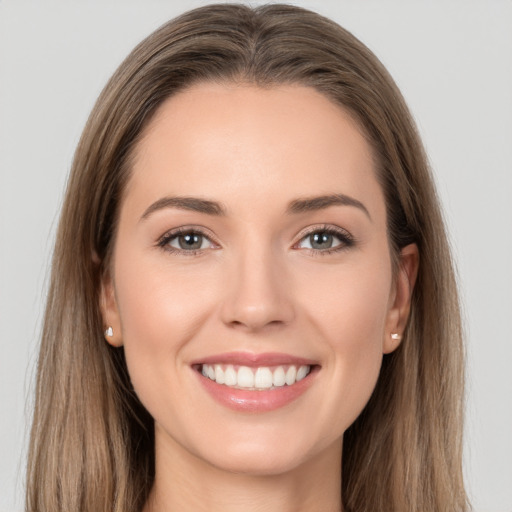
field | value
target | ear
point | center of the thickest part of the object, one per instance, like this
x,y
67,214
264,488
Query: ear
x,y
110,312
401,297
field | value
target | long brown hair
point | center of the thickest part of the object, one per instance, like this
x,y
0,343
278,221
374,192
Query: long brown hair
x,y
92,445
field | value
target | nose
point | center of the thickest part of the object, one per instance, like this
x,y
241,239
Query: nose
x,y
258,293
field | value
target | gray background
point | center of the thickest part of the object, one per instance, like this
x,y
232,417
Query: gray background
x,y
453,62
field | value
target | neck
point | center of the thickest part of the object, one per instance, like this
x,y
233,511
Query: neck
x,y
185,482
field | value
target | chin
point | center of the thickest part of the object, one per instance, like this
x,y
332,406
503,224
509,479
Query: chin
x,y
259,464
260,458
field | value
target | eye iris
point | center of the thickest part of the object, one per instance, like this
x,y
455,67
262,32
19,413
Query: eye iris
x,y
321,240
190,241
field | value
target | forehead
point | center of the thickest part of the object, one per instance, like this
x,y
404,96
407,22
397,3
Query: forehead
x,y
269,144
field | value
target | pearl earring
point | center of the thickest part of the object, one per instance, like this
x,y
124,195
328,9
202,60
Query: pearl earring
x,y
109,332
395,336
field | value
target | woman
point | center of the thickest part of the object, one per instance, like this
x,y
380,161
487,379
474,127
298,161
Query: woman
x,y
252,298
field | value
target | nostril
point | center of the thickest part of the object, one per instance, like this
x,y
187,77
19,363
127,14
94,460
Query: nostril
x,y
256,325
254,304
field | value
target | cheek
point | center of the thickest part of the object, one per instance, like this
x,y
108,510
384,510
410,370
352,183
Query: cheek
x,y
351,306
161,310
351,318
157,300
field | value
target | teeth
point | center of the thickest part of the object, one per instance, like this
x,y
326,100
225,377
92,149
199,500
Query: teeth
x,y
279,377
301,373
230,376
245,377
259,378
263,378
219,374
290,375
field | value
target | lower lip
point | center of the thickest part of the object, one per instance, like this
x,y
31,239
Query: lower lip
x,y
253,400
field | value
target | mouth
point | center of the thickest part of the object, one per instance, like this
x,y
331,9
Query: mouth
x,y
258,378
255,382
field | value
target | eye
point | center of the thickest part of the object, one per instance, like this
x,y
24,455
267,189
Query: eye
x,y
182,241
326,240
189,242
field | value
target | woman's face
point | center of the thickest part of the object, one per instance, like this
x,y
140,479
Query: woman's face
x,y
252,248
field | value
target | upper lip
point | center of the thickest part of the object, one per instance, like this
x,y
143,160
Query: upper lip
x,y
254,360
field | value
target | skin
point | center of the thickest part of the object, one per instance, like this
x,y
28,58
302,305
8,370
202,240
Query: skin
x,y
256,285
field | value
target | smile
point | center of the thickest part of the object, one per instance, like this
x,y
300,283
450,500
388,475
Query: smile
x,y
255,383
255,378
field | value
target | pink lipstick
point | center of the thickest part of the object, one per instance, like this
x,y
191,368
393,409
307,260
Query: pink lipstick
x,y
249,382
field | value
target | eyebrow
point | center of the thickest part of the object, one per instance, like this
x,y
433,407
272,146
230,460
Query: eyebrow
x,y
194,204
296,206
321,202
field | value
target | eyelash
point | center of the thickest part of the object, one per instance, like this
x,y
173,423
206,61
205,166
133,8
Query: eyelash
x,y
345,238
164,241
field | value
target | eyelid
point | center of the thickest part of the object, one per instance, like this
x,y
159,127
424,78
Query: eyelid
x,y
163,241
346,239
